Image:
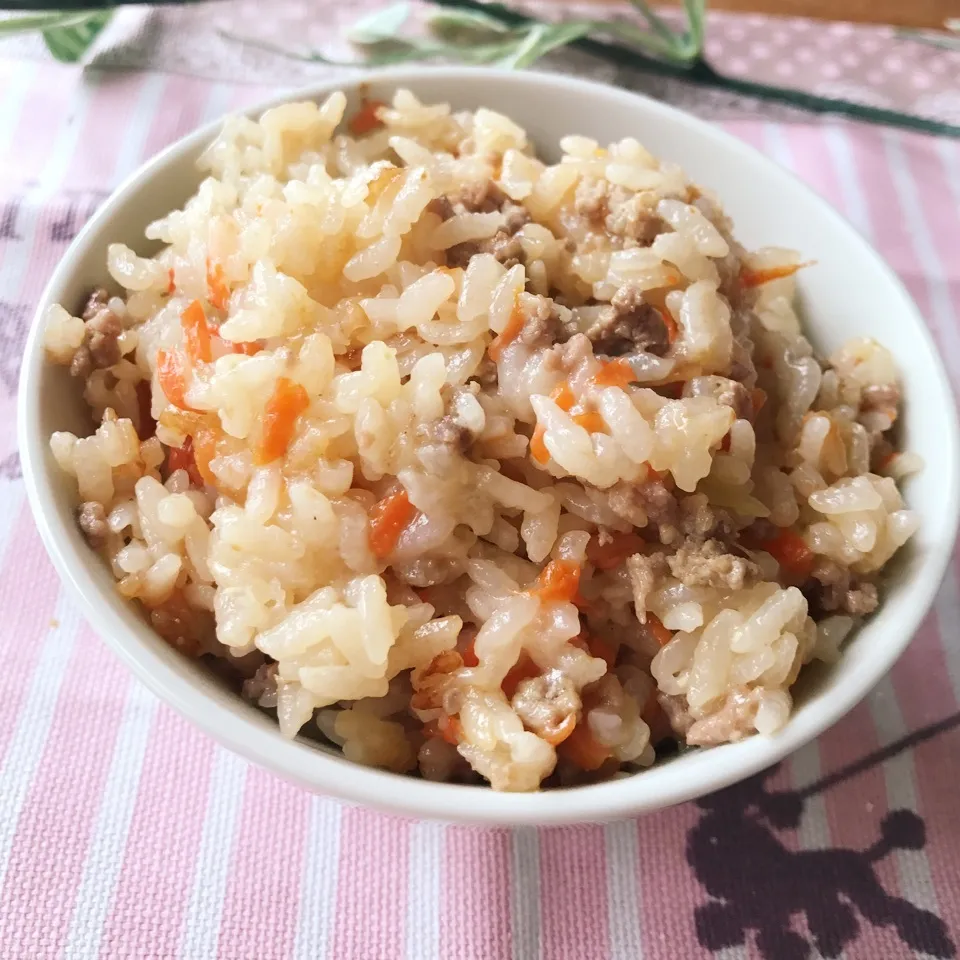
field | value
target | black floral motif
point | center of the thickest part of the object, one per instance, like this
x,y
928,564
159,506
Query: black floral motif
x,y
755,883
77,210
13,336
9,211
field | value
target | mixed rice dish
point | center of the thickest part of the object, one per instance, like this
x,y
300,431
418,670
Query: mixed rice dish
x,y
473,465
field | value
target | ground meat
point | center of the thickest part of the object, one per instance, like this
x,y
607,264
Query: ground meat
x,y
547,704
706,564
442,443
591,203
262,686
542,328
644,572
479,197
728,393
732,722
103,333
96,302
486,374
82,363
699,519
629,324
675,708
652,500
632,218
832,589
92,520
565,358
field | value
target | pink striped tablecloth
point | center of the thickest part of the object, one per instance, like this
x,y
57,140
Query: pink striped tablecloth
x,y
126,834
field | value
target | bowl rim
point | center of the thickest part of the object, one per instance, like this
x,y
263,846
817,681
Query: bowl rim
x,y
241,729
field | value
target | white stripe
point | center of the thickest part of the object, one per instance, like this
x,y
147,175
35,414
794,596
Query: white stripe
x,y
525,892
218,102
201,924
423,891
921,239
64,148
33,722
950,157
623,891
104,860
854,200
11,103
12,495
318,887
130,154
776,146
913,870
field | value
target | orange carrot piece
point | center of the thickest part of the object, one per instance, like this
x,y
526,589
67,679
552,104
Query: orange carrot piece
x,y
172,375
790,550
146,426
673,331
563,396
596,647
289,400
660,633
510,332
196,333
591,421
218,291
886,460
366,119
725,443
759,399
558,582
388,518
582,750
523,669
614,552
182,458
615,373
755,278
538,449
469,654
204,450
171,282
562,731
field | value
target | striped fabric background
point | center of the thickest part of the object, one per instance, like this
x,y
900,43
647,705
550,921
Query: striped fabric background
x,y
125,834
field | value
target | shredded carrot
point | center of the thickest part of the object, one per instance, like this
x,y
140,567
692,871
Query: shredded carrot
x,y
611,554
582,750
886,459
469,654
791,552
172,375
146,425
561,732
596,647
563,396
289,400
523,669
615,373
759,399
510,332
538,449
388,518
366,119
660,633
755,278
725,443
673,331
558,582
182,458
218,291
204,450
444,728
591,421
196,333
248,347
171,281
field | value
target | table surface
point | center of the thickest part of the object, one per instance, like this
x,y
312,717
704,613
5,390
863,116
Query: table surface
x,y
127,835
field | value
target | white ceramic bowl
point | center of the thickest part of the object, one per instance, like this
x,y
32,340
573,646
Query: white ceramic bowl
x,y
851,292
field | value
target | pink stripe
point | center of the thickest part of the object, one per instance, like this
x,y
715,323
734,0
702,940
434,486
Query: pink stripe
x,y
475,895
750,131
573,891
50,845
180,110
26,573
669,890
244,96
158,864
107,125
263,893
49,97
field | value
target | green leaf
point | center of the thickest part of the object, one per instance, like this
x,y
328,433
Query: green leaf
x,y
69,39
543,38
379,26
465,26
32,22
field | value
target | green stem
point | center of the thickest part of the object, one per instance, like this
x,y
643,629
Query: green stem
x,y
701,73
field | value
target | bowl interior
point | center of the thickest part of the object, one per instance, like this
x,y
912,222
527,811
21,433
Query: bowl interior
x,y
848,293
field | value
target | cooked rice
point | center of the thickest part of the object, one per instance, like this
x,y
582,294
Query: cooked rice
x,y
477,465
